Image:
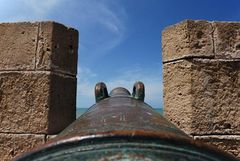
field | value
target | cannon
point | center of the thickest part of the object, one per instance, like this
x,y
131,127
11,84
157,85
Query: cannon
x,y
121,126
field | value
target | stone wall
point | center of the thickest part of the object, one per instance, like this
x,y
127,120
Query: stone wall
x,y
37,83
201,62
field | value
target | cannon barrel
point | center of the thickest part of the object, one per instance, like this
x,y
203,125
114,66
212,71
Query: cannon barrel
x,y
121,126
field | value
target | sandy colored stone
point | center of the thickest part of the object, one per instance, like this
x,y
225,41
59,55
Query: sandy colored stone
x,y
201,96
230,144
227,39
177,93
13,145
18,43
40,45
187,39
36,102
57,48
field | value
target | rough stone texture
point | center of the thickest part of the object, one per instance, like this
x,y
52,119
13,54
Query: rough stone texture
x,y
187,39
36,102
37,83
38,46
57,48
18,43
227,143
12,145
177,93
227,39
201,96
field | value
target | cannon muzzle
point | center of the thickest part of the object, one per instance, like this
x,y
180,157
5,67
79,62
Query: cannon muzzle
x,y
121,126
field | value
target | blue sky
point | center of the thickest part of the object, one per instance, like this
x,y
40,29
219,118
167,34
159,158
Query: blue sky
x,y
120,40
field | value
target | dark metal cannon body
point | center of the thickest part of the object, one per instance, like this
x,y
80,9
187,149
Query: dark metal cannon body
x,y
120,126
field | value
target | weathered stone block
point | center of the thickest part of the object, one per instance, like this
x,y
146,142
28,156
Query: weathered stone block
x,y
227,39
12,145
201,96
36,102
227,143
177,93
187,39
57,48
18,43
40,45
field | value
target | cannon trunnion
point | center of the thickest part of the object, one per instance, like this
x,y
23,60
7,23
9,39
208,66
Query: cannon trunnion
x,y
121,126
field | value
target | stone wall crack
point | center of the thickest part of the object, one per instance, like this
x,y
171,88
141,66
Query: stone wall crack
x,y
36,49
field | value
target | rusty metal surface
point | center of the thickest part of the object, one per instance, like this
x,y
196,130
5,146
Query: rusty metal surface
x,y
120,126
120,113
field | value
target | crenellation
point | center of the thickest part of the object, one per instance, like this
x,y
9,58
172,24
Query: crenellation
x,y
37,88
202,80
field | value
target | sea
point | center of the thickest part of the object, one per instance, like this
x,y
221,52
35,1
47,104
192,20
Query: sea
x,y
80,111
